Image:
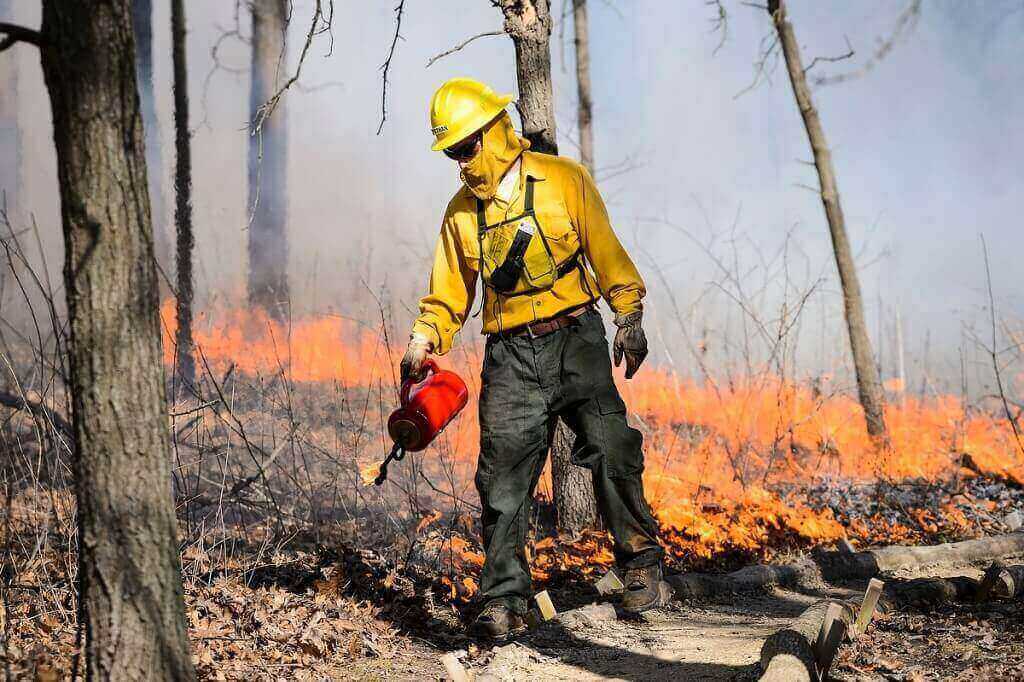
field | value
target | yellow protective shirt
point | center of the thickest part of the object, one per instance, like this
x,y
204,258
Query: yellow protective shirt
x,y
572,217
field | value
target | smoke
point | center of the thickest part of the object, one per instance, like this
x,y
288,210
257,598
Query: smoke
x,y
926,146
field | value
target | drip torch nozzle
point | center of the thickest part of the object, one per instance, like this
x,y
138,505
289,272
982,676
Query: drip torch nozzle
x,y
397,453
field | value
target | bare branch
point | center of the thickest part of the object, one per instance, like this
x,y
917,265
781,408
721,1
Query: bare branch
x,y
905,22
387,65
720,23
462,45
19,34
992,351
838,58
321,23
761,68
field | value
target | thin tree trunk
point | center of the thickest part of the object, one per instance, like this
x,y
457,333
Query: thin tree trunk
x,y
868,385
131,617
268,143
142,21
584,113
183,196
10,138
528,22
571,486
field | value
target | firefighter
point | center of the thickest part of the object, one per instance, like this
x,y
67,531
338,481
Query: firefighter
x,y
535,229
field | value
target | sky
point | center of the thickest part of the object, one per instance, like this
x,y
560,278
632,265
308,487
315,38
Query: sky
x,y
706,178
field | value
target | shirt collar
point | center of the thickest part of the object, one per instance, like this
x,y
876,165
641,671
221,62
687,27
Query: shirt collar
x,y
531,167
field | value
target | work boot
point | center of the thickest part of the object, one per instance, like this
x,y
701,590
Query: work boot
x,y
498,623
643,588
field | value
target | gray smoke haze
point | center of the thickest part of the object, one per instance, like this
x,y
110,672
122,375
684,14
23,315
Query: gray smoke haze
x,y
927,150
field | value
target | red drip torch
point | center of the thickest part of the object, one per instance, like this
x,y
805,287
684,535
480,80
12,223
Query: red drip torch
x,y
424,412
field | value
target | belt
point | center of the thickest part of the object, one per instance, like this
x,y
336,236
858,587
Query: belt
x,y
544,327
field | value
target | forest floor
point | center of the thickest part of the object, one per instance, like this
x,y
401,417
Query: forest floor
x,y
721,639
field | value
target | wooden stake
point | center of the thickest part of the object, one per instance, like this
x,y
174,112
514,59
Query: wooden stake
x,y
454,669
827,653
610,583
547,609
867,608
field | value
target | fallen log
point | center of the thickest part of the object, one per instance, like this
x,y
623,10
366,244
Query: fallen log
x,y
869,563
1003,582
798,651
803,573
926,594
812,573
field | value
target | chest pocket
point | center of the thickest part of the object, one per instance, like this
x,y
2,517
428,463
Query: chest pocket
x,y
515,255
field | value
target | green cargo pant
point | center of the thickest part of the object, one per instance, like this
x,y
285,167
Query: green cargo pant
x,y
527,383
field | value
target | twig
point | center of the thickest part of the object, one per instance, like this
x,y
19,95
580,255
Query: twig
x,y
838,58
992,350
387,65
461,45
719,24
19,34
905,22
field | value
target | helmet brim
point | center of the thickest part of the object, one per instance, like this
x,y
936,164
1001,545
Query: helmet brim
x,y
471,126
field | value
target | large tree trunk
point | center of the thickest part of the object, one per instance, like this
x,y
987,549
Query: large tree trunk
x,y
142,20
131,618
183,197
528,22
869,387
10,139
584,113
268,143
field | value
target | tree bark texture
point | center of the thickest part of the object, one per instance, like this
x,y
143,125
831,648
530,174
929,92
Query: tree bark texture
x,y
142,21
131,617
572,486
869,387
793,653
528,23
268,145
584,111
10,138
183,197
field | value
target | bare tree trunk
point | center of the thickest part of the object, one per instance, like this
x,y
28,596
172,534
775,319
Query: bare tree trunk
x,y
10,138
268,147
868,385
572,487
183,197
584,111
528,22
131,617
142,20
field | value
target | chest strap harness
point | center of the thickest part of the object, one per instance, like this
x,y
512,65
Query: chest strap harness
x,y
506,275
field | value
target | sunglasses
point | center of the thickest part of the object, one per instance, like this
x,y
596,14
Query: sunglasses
x,y
466,149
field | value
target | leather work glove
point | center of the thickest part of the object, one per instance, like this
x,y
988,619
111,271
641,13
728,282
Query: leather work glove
x,y
630,341
417,351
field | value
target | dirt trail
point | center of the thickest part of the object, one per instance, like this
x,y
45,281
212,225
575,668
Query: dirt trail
x,y
683,641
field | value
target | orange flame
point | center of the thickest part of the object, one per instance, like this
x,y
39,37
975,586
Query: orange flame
x,y
713,451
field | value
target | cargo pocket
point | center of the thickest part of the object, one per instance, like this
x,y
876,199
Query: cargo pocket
x,y
623,445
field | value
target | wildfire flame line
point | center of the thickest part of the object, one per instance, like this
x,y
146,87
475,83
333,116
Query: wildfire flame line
x,y
712,452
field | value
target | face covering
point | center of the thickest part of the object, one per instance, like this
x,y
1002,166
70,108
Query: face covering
x,y
500,148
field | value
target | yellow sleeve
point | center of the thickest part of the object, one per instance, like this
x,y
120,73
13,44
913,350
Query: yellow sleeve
x,y
617,276
450,294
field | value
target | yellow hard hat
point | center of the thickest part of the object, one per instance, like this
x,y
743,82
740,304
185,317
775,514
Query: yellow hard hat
x,y
460,107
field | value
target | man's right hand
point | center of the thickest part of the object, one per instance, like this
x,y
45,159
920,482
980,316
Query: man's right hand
x,y
415,354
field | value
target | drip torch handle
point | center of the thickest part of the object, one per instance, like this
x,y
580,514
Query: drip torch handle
x,y
407,385
397,453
